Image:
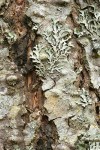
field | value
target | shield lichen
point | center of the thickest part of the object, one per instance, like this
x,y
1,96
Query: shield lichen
x,y
89,20
47,58
85,98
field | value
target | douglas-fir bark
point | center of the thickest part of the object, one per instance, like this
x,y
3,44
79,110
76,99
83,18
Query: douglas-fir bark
x,y
49,75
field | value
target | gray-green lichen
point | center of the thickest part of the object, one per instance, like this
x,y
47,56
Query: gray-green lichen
x,y
47,58
7,33
90,140
88,34
85,98
93,134
6,102
70,107
29,132
89,20
81,145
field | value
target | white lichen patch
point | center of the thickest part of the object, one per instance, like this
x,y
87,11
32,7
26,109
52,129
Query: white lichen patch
x,y
15,136
89,20
85,98
93,133
89,36
6,103
4,52
94,145
50,58
29,132
93,138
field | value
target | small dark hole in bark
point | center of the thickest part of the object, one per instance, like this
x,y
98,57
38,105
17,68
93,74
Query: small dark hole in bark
x,y
97,110
44,118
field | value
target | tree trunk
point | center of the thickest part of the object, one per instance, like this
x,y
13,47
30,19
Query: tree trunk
x,y
49,75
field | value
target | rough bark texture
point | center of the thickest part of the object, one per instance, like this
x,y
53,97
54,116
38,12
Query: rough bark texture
x,y
49,75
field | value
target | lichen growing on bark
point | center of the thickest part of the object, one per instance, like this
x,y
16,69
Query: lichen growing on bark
x,y
85,98
89,20
58,111
47,58
6,33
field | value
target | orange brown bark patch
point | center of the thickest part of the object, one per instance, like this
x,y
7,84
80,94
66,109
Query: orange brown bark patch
x,y
19,2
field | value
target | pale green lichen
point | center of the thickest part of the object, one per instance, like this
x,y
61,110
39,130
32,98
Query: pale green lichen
x,y
89,20
47,58
87,145
93,134
30,147
29,132
94,145
16,147
6,102
85,98
90,139
6,33
81,145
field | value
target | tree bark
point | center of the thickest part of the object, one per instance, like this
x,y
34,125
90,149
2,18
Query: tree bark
x,y
49,75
